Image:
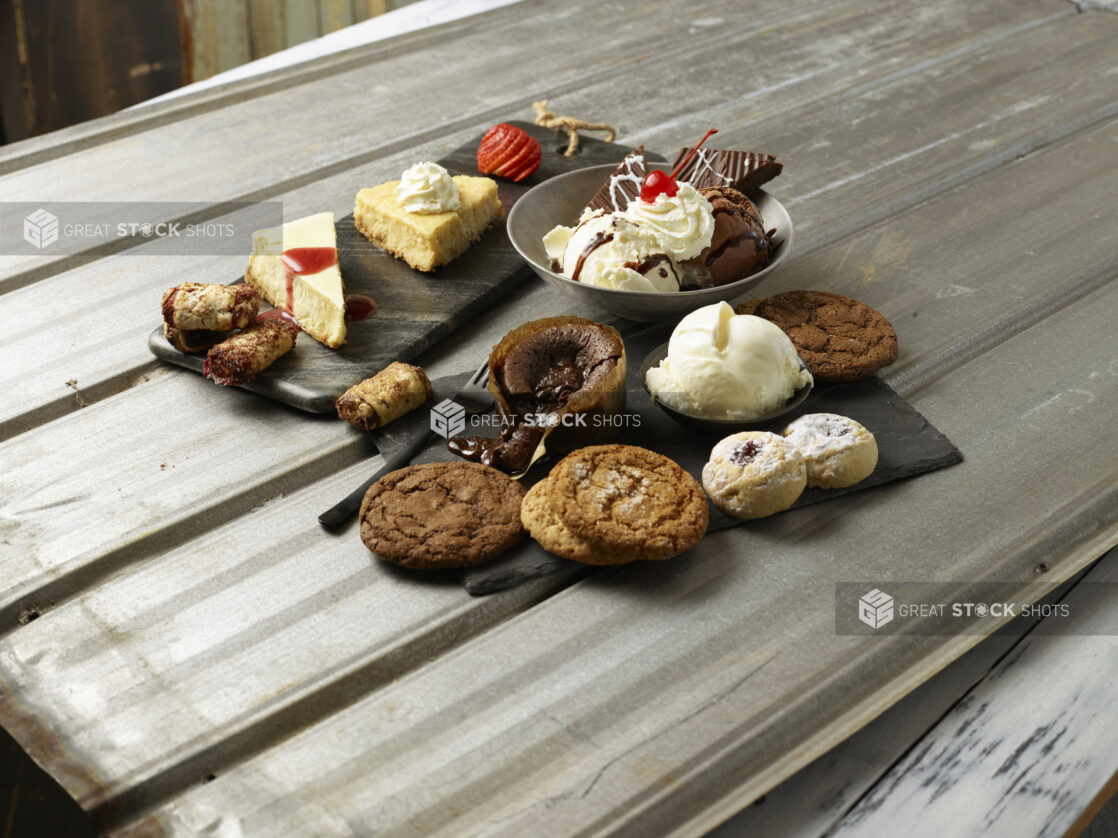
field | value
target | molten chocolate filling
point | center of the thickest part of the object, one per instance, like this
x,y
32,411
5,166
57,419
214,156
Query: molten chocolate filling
x,y
539,376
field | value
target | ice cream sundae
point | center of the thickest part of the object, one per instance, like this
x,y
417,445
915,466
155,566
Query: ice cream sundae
x,y
651,231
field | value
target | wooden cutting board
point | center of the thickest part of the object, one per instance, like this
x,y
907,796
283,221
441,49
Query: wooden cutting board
x,y
416,310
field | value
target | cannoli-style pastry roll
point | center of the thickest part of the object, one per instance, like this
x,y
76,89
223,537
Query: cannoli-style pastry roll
x,y
216,308
197,340
240,358
395,390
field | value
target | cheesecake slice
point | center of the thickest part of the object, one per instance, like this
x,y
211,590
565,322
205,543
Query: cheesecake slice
x,y
427,240
295,268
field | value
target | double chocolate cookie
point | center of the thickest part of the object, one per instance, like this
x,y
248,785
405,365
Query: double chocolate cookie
x,y
611,504
435,515
840,339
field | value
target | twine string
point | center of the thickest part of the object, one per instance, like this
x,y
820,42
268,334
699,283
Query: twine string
x,y
571,124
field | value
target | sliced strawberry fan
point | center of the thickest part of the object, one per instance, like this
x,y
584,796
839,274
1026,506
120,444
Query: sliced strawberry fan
x,y
508,152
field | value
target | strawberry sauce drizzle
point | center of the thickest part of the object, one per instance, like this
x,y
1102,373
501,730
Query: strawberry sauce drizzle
x,y
304,261
359,307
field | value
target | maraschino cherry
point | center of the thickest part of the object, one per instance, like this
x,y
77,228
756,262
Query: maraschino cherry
x,y
657,183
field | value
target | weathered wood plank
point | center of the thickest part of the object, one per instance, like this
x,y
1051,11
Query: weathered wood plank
x,y
708,722
272,610
519,731
906,514
1005,75
87,134
334,15
267,24
887,265
1029,748
215,146
202,454
301,22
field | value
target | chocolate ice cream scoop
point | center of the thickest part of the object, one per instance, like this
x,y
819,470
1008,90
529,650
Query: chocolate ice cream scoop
x,y
740,246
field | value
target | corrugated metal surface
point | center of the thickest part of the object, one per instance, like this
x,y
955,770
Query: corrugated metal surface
x,y
207,659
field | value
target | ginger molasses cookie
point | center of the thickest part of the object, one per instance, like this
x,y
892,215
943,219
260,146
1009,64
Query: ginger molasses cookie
x,y
455,514
553,535
754,474
837,451
840,339
628,501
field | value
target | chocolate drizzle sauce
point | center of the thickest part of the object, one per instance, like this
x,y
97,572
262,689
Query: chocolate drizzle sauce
x,y
760,242
595,242
509,451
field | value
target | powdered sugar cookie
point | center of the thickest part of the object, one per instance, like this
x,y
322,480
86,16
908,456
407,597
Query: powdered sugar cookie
x,y
837,451
754,474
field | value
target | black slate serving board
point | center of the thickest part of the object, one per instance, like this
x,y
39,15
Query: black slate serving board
x,y
907,445
416,309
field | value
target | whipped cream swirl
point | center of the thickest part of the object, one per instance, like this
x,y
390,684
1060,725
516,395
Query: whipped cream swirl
x,y
682,224
428,188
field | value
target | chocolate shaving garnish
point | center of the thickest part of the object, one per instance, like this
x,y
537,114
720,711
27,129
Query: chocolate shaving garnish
x,y
624,185
743,170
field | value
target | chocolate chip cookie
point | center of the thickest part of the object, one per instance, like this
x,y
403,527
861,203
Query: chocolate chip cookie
x,y
840,339
628,501
455,514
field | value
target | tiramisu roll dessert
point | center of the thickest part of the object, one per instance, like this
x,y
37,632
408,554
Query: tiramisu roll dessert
x,y
373,403
651,231
196,316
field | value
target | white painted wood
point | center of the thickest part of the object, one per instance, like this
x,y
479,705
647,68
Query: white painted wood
x,y
813,800
1029,748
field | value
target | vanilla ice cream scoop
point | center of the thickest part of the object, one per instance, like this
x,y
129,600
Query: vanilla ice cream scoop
x,y
635,249
610,251
727,366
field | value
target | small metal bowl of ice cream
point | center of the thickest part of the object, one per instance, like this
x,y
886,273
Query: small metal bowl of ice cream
x,y
724,372
561,200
